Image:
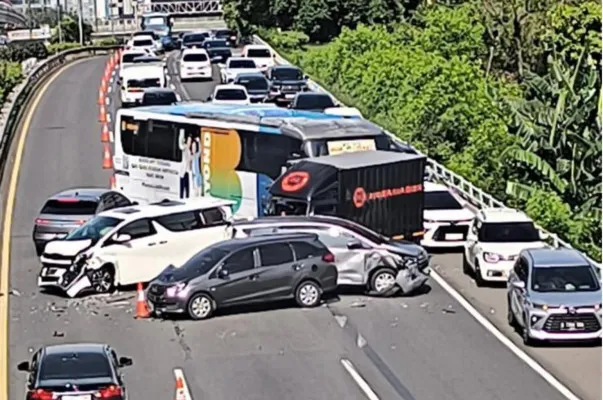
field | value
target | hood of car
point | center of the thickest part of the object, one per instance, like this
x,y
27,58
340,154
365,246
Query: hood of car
x,y
448,215
67,247
405,248
566,299
510,249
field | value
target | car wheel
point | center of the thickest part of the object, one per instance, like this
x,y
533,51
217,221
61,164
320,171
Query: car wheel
x,y
383,282
479,281
510,316
466,266
103,279
308,294
200,306
525,334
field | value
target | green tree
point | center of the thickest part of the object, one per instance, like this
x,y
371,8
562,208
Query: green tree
x,y
70,30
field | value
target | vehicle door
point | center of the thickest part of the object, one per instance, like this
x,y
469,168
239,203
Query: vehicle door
x,y
472,244
277,271
115,361
353,255
517,296
33,374
240,283
139,259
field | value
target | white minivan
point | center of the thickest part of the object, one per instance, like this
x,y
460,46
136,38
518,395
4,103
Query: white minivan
x,y
134,244
138,78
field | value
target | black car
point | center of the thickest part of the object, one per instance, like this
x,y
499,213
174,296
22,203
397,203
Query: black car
x,y
159,97
256,84
312,101
227,34
285,82
76,370
194,39
67,210
218,50
244,271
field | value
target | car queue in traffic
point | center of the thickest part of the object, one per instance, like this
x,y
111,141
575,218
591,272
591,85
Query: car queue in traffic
x,y
340,209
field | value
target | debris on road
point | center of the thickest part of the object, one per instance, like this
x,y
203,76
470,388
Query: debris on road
x,y
58,334
492,311
15,292
358,304
404,305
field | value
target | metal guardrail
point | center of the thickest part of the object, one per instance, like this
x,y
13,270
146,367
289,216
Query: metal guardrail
x,y
27,87
474,195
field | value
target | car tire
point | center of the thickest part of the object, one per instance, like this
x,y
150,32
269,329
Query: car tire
x,y
308,294
383,282
479,281
525,335
466,266
510,316
200,306
103,279
39,249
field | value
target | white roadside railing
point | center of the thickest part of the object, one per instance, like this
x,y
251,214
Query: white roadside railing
x,y
460,185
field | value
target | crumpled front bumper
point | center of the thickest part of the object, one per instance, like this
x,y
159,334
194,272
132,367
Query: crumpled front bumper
x,y
411,279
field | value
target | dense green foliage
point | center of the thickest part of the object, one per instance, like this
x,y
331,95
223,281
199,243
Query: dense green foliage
x,y
55,48
19,52
10,76
505,93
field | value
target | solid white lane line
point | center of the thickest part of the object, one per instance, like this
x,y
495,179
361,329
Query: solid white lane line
x,y
179,374
362,384
522,355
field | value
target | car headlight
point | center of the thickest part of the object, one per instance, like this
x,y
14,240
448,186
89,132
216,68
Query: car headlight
x,y
598,307
538,306
410,262
492,257
175,290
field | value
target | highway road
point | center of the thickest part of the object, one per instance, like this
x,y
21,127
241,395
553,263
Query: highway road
x,y
423,347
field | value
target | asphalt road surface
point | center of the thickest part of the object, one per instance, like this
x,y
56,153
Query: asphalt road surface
x,y
423,347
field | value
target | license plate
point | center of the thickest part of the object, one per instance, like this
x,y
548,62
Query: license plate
x,y
454,236
572,325
289,96
78,397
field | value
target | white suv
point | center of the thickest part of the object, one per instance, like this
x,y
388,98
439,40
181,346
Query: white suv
x,y
195,63
134,244
494,241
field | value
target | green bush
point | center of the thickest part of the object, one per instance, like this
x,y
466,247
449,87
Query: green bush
x,y
55,48
285,40
107,42
19,52
10,76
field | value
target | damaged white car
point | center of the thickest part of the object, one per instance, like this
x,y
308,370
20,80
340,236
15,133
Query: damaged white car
x,y
133,245
363,257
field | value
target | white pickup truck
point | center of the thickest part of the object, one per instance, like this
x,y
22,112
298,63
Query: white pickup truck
x,y
235,66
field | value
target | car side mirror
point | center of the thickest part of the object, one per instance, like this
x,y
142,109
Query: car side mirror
x,y
24,366
224,274
355,245
121,238
208,98
134,203
306,77
543,235
125,361
519,285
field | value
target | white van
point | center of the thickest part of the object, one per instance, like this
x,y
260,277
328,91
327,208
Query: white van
x,y
138,78
261,55
128,57
134,244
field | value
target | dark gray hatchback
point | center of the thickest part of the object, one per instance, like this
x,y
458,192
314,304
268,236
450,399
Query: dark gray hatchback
x,y
67,210
245,271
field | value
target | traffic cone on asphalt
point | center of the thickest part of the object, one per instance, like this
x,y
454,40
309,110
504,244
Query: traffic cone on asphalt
x,y
105,136
142,310
112,182
107,160
180,393
102,114
116,58
103,85
101,96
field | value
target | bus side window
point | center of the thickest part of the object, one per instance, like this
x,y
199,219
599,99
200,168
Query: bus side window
x,y
276,149
163,141
134,136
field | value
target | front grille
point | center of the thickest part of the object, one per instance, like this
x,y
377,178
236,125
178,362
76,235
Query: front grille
x,y
554,323
60,257
442,231
157,290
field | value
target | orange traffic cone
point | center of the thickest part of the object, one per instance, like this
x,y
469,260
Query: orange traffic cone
x,y
101,96
116,58
105,136
107,160
142,310
112,182
103,85
180,393
102,114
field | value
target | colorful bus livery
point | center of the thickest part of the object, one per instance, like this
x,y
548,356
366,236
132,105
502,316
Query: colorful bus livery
x,y
226,151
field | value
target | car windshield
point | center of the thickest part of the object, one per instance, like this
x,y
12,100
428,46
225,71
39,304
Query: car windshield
x,y
253,83
513,232
564,279
195,57
94,229
231,94
158,99
224,33
313,102
441,200
215,43
197,37
200,264
70,206
144,83
142,42
74,366
232,64
287,74
258,53
129,58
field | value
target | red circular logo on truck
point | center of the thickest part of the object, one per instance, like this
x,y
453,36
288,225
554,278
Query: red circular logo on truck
x,y
295,181
359,197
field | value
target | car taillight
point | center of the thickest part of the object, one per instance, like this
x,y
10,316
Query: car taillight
x,y
68,200
328,257
109,392
40,221
39,394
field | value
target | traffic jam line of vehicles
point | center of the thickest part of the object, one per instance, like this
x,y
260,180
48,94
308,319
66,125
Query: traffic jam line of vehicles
x,y
325,199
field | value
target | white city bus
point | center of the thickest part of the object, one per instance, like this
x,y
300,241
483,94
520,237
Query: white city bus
x,y
227,151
